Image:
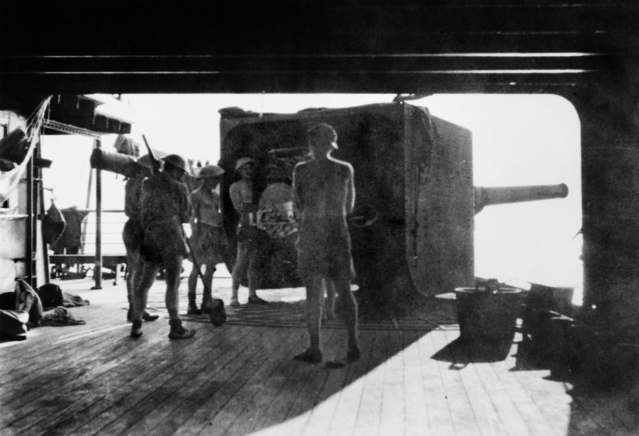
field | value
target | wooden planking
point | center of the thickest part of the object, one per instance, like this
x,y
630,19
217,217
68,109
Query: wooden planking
x,y
137,379
39,388
151,423
113,372
416,412
286,387
528,410
170,415
348,403
507,411
242,405
298,391
321,417
549,395
462,413
483,410
236,377
57,338
370,408
393,407
439,411
213,384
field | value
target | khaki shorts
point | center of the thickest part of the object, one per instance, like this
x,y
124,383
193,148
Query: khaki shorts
x,y
330,259
209,244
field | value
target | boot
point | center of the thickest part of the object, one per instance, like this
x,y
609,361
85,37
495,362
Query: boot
x,y
136,329
148,317
193,310
178,331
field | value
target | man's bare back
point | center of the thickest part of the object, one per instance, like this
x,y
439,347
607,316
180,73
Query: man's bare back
x,y
324,194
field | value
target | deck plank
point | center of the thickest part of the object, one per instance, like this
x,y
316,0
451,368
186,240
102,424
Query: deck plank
x,y
464,420
47,346
241,380
171,415
439,412
416,412
136,379
393,407
282,389
241,406
345,416
484,411
520,397
193,379
233,379
370,408
327,400
128,413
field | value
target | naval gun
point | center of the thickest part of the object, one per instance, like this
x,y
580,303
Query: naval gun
x,y
412,232
516,194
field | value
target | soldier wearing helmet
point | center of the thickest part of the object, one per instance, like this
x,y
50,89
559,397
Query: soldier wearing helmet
x,y
165,205
208,239
244,201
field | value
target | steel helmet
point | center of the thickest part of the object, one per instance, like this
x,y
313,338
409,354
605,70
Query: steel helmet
x,y
210,171
176,161
243,161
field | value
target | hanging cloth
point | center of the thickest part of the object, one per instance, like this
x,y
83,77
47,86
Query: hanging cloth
x,y
53,224
17,148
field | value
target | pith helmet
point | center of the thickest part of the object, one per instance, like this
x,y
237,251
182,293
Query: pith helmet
x,y
176,161
210,171
243,161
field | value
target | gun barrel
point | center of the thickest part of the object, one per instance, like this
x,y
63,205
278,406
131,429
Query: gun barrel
x,y
515,194
117,163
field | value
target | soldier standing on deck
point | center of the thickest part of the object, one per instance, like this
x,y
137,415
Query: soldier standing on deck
x,y
165,205
324,194
132,235
208,239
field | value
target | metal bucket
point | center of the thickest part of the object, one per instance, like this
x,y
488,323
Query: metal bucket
x,y
487,318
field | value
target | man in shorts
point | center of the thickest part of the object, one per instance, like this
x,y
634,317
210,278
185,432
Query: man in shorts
x,y
132,235
208,240
324,194
165,205
243,198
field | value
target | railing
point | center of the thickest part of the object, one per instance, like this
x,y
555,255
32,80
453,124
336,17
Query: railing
x,y
112,252
111,230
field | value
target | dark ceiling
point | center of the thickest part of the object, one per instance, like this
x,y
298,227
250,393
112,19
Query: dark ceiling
x,y
303,46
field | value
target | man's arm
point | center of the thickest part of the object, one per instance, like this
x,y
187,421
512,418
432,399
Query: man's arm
x,y
185,211
350,186
236,197
297,189
195,209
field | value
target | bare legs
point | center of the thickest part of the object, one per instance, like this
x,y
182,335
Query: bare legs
x,y
173,268
207,298
315,288
245,263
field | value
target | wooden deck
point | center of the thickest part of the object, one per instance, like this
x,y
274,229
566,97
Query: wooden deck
x,y
241,380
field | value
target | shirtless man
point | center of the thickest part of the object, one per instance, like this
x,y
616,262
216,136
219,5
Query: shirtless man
x,y
208,240
242,196
165,205
324,193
